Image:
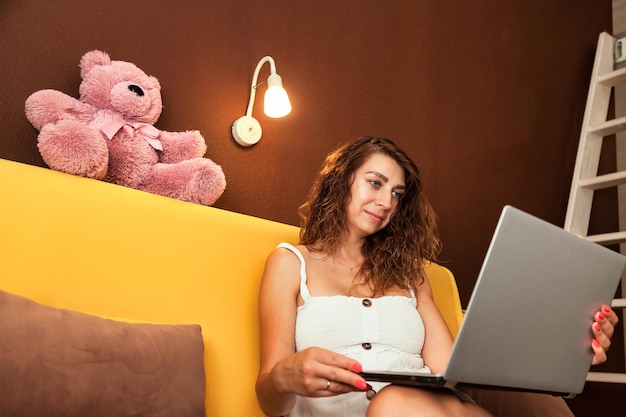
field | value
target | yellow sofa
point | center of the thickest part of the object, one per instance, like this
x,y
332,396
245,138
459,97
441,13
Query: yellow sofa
x,y
102,249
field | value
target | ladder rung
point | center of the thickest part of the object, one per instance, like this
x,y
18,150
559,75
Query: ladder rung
x,y
613,78
609,127
608,238
619,303
604,181
618,378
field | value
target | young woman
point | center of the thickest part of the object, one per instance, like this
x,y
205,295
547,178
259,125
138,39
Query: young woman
x,y
353,296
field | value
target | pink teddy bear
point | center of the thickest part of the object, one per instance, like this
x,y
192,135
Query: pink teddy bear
x,y
108,134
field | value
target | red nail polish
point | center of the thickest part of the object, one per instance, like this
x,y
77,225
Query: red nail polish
x,y
601,316
606,309
357,368
362,385
596,327
595,342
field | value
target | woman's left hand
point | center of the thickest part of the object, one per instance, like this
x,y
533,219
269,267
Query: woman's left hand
x,y
602,328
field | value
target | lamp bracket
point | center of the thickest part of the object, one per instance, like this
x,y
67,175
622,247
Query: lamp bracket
x,y
247,130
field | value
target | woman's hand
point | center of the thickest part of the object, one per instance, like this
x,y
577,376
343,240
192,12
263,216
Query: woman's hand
x,y
317,372
602,328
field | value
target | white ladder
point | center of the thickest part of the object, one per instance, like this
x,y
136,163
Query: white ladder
x,y
586,180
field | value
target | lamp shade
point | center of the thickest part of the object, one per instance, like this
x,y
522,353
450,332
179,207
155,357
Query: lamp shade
x,y
276,102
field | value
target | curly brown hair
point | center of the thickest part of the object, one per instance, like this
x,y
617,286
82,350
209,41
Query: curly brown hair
x,y
394,256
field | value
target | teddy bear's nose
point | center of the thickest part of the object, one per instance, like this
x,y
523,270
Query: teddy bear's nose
x,y
136,89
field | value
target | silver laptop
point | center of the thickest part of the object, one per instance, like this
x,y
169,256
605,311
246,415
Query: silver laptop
x,y
528,322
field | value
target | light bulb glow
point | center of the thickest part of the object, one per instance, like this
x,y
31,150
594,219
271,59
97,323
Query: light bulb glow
x,y
277,102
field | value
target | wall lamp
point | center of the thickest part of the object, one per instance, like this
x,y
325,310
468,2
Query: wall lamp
x,y
247,130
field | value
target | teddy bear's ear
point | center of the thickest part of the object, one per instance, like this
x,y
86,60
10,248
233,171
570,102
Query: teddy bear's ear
x,y
92,59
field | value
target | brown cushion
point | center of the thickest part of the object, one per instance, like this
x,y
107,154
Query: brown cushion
x,y
56,362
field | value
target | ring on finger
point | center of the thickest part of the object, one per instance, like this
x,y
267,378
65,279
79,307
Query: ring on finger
x,y
328,385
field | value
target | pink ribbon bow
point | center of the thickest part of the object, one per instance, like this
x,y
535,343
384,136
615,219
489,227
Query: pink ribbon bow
x,y
147,131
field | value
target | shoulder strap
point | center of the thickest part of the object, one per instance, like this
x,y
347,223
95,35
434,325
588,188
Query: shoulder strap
x,y
304,290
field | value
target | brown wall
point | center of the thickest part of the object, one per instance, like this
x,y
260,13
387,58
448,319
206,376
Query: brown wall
x,y
487,96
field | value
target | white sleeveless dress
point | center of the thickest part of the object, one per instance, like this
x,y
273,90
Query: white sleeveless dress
x,y
385,333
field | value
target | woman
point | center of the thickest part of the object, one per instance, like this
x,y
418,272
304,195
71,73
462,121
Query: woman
x,y
353,295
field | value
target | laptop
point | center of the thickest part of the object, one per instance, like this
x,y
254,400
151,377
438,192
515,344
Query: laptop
x,y
528,321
